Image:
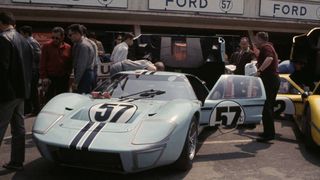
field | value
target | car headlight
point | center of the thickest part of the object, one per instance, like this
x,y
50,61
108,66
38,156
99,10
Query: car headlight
x,y
45,121
153,131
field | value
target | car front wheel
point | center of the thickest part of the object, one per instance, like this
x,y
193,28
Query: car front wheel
x,y
310,144
188,153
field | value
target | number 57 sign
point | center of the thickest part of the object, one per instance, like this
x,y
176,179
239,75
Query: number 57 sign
x,y
227,113
207,6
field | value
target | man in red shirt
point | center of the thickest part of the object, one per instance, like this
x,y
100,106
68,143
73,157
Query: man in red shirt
x,y
268,71
56,64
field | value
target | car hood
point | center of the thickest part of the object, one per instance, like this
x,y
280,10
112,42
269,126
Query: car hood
x,y
114,115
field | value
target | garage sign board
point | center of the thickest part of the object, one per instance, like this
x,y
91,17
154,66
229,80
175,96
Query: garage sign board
x,y
208,6
105,3
283,9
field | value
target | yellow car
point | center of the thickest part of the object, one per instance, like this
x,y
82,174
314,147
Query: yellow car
x,y
297,104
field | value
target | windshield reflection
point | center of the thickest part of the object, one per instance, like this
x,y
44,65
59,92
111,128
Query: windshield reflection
x,y
175,87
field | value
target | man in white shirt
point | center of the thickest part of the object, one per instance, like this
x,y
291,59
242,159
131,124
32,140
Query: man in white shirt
x,y
120,52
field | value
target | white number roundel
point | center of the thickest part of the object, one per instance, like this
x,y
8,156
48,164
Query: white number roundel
x,y
226,5
227,113
105,2
108,112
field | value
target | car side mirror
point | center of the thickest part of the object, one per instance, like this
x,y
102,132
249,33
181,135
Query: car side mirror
x,y
203,83
305,95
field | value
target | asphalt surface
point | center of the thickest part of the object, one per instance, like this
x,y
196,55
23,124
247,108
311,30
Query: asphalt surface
x,y
222,154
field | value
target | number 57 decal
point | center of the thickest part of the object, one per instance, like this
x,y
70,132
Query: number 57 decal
x,y
227,113
119,113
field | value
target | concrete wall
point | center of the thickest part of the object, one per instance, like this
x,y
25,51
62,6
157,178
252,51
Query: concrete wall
x,y
137,13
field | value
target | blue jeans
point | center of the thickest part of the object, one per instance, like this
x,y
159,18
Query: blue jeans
x,y
86,83
11,112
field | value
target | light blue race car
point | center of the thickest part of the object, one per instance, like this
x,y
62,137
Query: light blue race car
x,y
143,120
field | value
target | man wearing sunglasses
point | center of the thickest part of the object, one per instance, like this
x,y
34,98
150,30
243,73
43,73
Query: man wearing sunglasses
x,y
55,64
243,56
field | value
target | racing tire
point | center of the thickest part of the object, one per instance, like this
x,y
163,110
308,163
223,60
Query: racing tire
x,y
289,117
309,143
188,153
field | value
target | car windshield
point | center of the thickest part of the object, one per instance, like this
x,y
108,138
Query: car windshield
x,y
156,87
236,87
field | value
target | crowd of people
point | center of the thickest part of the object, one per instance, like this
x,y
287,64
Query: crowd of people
x,y
24,63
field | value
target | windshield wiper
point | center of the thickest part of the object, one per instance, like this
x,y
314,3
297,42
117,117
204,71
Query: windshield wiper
x,y
152,93
146,93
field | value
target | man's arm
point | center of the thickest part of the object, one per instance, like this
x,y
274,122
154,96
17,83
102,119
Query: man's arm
x,y
269,53
151,67
139,64
37,51
5,51
266,63
81,62
43,62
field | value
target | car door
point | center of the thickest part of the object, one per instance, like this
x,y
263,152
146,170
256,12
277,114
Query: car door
x,y
289,99
233,100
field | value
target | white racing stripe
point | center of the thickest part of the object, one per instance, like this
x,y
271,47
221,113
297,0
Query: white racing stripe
x,y
9,137
227,142
86,135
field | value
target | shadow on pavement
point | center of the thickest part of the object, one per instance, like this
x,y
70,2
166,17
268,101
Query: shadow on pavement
x,y
278,137
311,155
5,172
248,150
222,156
207,132
40,169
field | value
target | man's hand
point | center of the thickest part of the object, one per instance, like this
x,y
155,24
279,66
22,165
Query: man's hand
x,y
258,73
74,87
46,82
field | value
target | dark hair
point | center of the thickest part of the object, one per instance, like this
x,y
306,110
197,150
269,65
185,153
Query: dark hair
x,y
77,28
263,36
84,30
26,30
244,38
58,30
92,35
128,36
7,18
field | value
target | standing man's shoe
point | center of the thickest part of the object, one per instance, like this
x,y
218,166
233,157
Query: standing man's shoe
x,y
262,135
13,166
265,139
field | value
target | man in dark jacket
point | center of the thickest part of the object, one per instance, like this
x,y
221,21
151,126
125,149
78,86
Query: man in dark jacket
x,y
32,104
84,59
242,57
15,77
